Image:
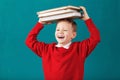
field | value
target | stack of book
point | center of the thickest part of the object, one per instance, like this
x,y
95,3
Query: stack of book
x,y
60,13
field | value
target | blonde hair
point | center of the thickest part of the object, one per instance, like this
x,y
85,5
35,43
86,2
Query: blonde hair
x,y
71,21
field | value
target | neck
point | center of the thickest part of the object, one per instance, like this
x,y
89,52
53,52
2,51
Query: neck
x,y
61,44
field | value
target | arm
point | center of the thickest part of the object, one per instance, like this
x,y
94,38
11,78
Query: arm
x,y
32,42
90,43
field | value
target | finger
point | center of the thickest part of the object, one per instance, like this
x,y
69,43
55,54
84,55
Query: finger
x,y
82,7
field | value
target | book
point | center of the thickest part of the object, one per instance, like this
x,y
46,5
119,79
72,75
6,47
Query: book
x,y
59,13
60,16
55,13
60,8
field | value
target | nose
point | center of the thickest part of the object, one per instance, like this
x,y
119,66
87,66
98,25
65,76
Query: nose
x,y
61,31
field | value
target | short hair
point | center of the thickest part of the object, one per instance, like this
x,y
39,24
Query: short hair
x,y
71,21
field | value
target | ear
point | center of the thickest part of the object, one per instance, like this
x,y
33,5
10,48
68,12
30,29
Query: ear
x,y
74,35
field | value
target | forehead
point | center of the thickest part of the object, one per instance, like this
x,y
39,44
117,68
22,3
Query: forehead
x,y
64,24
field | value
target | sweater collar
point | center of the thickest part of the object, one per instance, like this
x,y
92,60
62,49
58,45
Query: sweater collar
x,y
65,46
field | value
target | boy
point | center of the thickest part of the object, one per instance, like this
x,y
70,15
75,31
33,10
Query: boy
x,y
64,60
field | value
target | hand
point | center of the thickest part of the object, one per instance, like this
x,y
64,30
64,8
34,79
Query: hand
x,y
43,22
85,14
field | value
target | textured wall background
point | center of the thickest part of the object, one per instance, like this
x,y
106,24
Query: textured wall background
x,y
17,18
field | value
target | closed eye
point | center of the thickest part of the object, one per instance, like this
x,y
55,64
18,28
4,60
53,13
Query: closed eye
x,y
65,30
57,30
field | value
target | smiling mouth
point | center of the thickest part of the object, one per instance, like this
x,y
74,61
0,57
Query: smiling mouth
x,y
61,37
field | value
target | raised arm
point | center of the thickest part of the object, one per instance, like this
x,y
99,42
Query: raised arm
x,y
89,44
32,42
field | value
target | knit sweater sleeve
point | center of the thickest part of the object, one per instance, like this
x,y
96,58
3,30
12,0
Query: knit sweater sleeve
x,y
32,42
89,44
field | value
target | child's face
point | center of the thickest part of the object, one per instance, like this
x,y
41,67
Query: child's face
x,y
64,32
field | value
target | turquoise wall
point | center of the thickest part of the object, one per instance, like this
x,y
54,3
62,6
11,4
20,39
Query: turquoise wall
x,y
17,18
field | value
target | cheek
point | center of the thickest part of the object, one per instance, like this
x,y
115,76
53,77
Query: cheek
x,y
68,35
55,34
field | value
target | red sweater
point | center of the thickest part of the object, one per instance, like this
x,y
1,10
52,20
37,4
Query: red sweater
x,y
60,63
